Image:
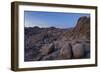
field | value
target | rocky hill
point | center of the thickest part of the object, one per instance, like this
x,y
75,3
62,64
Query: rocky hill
x,y
81,30
57,44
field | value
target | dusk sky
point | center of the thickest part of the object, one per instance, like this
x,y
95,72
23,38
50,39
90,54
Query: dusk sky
x,y
51,19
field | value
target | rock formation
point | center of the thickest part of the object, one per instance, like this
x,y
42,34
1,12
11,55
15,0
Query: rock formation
x,y
58,44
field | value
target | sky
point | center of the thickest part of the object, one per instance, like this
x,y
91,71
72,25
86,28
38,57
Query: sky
x,y
51,19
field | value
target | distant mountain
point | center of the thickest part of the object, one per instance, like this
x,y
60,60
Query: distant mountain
x,y
55,43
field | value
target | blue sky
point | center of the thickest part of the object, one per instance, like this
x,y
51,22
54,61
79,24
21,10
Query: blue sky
x,y
51,19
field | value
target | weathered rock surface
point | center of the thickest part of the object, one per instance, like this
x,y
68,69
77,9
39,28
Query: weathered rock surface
x,y
78,50
66,51
57,44
53,56
47,48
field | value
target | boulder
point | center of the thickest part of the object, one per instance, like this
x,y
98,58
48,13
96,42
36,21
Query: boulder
x,y
87,50
60,43
66,51
46,49
78,50
52,56
87,47
87,55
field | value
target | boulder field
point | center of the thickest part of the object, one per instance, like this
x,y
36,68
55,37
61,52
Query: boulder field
x,y
58,44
